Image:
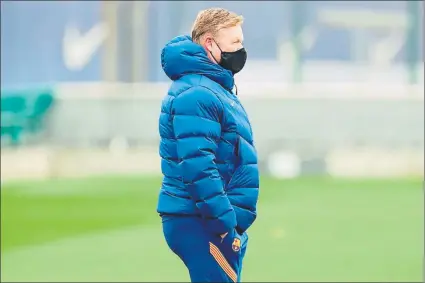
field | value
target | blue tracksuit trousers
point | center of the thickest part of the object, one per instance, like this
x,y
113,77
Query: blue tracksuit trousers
x,y
207,257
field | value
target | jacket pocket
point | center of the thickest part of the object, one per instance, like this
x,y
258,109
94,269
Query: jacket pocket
x,y
236,150
246,152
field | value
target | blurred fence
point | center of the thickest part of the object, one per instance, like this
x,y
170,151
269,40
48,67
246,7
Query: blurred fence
x,y
336,129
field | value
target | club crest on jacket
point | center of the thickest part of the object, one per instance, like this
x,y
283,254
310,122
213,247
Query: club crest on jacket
x,y
236,246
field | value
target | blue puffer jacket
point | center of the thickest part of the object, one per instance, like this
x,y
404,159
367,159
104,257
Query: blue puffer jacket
x,y
209,161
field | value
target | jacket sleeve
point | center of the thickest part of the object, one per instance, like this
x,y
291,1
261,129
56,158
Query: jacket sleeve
x,y
197,129
245,209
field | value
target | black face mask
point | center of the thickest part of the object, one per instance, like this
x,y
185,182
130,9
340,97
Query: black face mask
x,y
233,61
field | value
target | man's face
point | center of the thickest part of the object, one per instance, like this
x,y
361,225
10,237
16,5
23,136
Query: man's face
x,y
229,40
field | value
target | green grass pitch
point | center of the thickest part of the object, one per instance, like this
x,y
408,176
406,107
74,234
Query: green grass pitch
x,y
308,229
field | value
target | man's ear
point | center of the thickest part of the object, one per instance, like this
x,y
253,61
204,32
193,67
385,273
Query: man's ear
x,y
208,42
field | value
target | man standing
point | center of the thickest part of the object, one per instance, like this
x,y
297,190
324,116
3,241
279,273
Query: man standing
x,y
211,181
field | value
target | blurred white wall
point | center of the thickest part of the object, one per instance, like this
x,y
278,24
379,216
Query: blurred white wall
x,y
310,129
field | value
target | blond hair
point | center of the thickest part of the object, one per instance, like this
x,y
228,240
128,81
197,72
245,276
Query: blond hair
x,y
212,20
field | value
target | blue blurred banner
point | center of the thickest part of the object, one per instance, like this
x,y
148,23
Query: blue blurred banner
x,y
33,33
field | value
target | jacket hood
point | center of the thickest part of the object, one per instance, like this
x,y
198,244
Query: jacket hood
x,y
181,56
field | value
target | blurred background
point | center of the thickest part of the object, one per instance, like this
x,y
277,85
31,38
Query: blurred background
x,y
335,92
